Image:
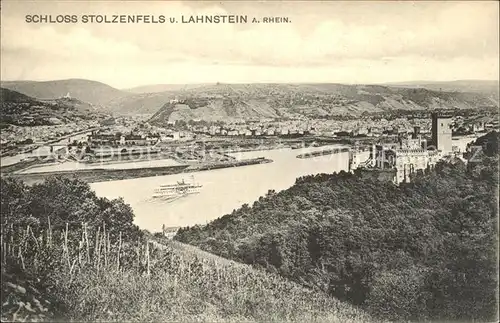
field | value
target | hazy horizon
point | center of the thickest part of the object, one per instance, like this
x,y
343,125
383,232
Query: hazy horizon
x,y
326,42
210,83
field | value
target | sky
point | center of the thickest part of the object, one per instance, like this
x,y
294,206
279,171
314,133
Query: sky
x,y
340,42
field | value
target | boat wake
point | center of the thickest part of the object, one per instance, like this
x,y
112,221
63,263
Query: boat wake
x,y
160,200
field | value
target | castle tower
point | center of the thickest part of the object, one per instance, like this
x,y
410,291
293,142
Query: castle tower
x,y
416,132
441,133
353,159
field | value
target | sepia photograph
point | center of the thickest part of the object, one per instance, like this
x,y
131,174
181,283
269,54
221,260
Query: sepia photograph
x,y
244,161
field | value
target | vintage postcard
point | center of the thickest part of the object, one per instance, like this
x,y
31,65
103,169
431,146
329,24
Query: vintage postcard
x,y
238,161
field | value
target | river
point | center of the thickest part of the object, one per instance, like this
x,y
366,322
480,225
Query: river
x,y
223,190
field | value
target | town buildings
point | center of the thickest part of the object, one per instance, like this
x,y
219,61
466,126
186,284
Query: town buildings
x,y
114,139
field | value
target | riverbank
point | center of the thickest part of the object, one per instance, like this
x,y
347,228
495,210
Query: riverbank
x,y
238,163
103,175
244,150
323,152
33,147
24,164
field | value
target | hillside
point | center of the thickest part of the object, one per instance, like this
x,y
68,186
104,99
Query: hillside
x,y
104,97
71,256
423,251
84,90
185,285
475,86
22,110
143,103
14,97
214,109
247,101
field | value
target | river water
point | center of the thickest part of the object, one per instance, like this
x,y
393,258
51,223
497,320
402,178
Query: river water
x,y
223,190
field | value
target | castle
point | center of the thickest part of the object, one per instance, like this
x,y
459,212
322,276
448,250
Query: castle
x,y
410,154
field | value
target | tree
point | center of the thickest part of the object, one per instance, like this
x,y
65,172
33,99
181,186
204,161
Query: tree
x,y
64,201
14,201
423,250
118,217
399,294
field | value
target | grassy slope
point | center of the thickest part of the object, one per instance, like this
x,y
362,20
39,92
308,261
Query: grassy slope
x,y
218,290
184,284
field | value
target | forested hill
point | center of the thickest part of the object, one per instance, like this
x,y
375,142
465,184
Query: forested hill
x,y
488,143
422,250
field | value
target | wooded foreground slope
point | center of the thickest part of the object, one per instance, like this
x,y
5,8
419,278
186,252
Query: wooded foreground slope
x,y
425,250
68,255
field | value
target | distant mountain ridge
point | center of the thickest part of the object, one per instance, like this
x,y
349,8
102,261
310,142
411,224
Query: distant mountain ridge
x,y
93,92
222,101
14,97
247,101
19,109
481,86
155,88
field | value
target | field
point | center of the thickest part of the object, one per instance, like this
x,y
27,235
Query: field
x,y
84,274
